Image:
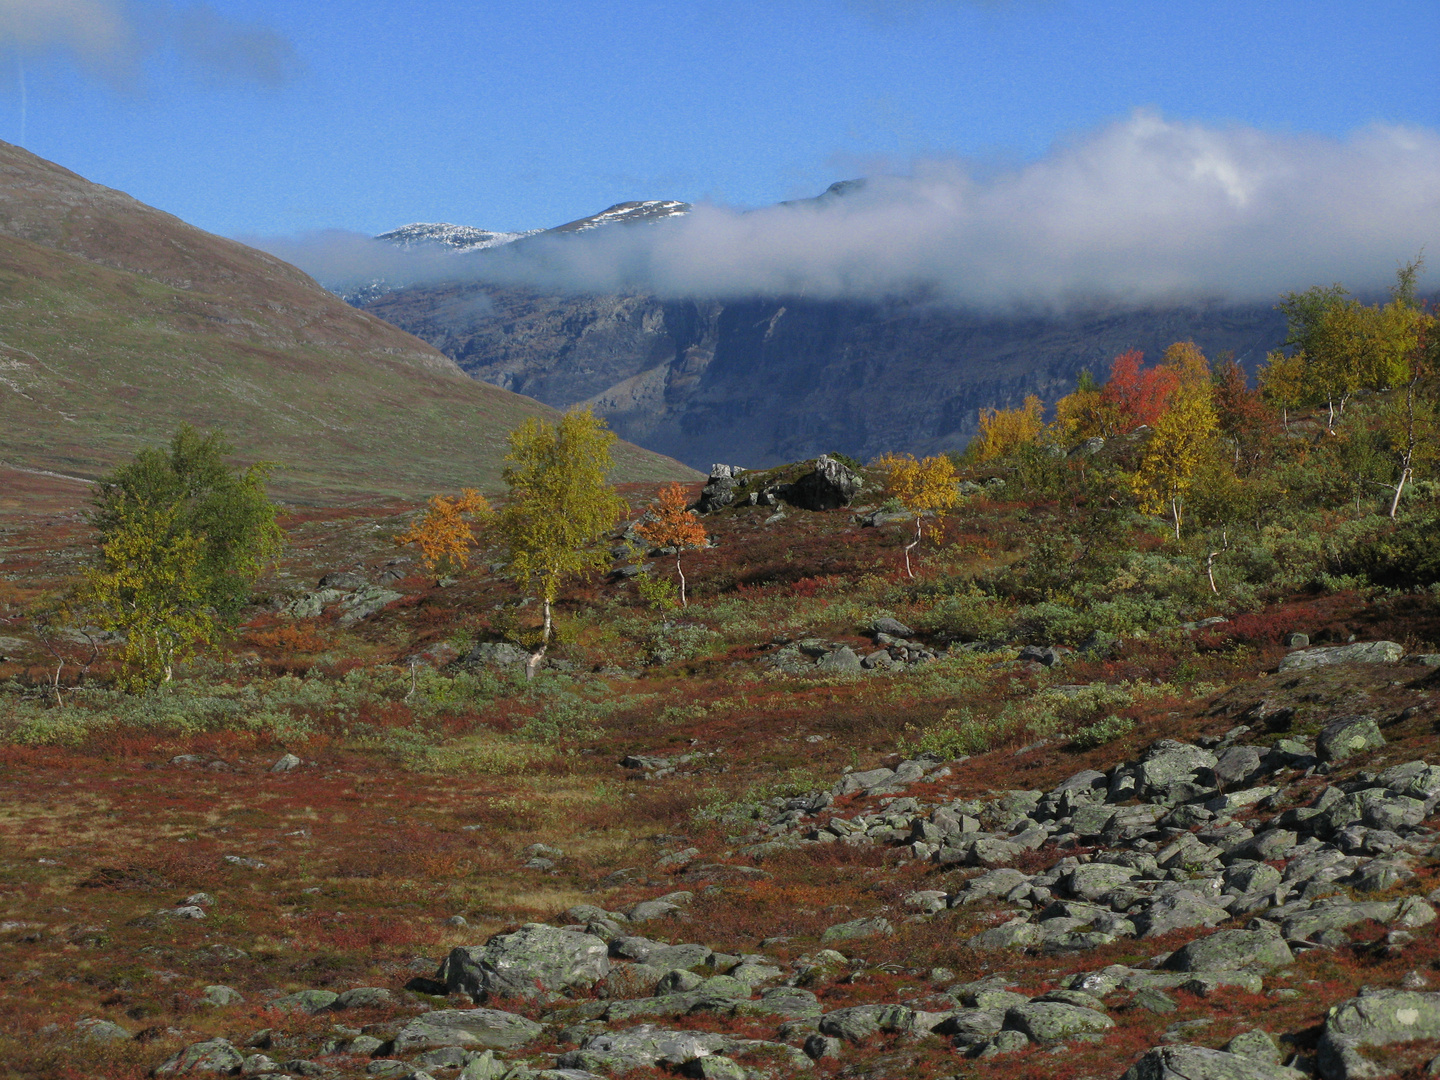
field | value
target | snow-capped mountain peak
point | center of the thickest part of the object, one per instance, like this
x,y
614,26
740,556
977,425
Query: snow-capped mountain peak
x,y
627,213
423,234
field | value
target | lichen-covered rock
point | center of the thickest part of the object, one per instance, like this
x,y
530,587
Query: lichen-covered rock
x,y
1347,736
830,486
533,960
1256,1045
307,1001
210,1056
859,1022
1375,1018
642,1047
857,928
1094,880
1015,933
1362,652
363,997
1051,1021
1179,910
484,1029
1184,1062
1231,950
1168,763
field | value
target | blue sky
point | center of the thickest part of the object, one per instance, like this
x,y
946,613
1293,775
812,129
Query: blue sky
x,y
253,117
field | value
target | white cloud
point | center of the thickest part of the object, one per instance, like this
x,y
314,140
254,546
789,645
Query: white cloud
x,y
111,38
1143,210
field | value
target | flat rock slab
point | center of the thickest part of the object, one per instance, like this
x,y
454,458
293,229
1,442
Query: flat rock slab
x,y
1362,652
1376,1018
1231,950
484,1029
1184,1062
1052,1021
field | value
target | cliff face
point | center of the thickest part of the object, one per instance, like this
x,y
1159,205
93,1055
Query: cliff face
x,y
760,382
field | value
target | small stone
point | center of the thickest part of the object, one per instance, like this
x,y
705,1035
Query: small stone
x,y
1154,1000
285,764
822,1046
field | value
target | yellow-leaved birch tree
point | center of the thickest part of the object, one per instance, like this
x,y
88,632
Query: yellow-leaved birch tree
x,y
921,487
559,506
1180,438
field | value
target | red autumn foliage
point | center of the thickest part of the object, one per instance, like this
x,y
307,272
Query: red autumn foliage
x,y
1244,414
1137,395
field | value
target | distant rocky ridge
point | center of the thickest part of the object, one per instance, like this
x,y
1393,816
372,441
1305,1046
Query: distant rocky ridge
x,y
456,237
764,381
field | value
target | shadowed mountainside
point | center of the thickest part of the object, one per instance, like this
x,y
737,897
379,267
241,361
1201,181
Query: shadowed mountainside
x,y
118,322
763,381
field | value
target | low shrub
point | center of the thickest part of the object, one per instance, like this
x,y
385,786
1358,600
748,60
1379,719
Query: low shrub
x,y
1102,731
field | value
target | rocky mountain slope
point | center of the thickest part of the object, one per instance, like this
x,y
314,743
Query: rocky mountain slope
x,y
121,321
764,381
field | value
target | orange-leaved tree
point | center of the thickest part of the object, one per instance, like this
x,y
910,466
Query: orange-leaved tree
x,y
445,533
674,525
1243,414
922,487
1135,396
1003,431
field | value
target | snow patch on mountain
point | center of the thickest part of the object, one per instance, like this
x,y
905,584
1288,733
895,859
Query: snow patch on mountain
x,y
628,213
439,234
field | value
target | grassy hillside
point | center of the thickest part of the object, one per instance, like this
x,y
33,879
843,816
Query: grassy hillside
x,y
117,322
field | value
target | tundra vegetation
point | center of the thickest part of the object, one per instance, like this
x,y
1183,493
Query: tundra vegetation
x,y
1064,796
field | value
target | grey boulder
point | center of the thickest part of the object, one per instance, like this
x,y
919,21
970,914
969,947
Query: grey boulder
x,y
859,1022
1184,1062
210,1056
1346,736
858,928
484,1029
1375,1018
1362,652
642,1047
530,961
831,486
1231,950
1051,1021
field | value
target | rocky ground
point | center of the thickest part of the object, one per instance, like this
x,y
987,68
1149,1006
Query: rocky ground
x,y
1237,869
361,845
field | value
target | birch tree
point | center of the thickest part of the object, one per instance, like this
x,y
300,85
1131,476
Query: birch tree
x,y
559,507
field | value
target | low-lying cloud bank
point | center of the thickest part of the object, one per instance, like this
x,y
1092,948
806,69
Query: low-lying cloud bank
x,y
1145,210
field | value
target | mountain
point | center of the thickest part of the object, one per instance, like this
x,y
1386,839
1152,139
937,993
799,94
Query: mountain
x,y
626,213
763,381
121,321
430,234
